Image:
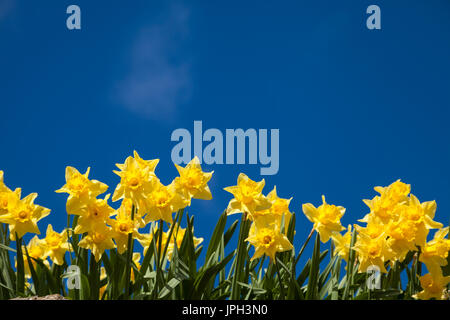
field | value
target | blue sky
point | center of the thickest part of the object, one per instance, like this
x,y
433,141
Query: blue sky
x,y
356,108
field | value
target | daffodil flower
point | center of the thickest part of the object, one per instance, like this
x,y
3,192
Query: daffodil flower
x,y
36,250
162,202
80,189
433,288
279,208
192,182
56,245
342,243
326,218
435,252
98,241
372,252
95,213
122,225
248,197
7,195
267,240
136,179
23,215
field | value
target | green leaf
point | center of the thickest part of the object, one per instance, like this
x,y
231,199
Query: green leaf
x,y
208,275
350,265
20,277
240,257
312,290
2,246
229,233
216,236
169,287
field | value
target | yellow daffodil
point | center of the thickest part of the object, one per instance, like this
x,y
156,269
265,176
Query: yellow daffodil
x,y
435,252
7,198
248,197
162,202
23,215
383,206
268,241
95,214
326,218
36,250
80,189
3,187
192,182
122,225
404,221
56,245
126,208
98,241
433,288
149,164
2,184
278,209
342,243
372,252
421,215
373,229
136,180
397,191
401,238
6,194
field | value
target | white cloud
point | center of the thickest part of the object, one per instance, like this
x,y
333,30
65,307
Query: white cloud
x,y
159,77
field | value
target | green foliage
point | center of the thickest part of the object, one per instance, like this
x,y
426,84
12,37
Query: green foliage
x,y
224,274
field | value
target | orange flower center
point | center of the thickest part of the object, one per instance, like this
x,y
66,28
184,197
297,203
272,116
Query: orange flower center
x,y
77,184
373,251
193,179
162,198
123,227
23,215
134,182
3,200
98,237
54,240
267,239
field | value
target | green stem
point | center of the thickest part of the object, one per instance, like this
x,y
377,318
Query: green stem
x,y
312,290
95,278
235,287
20,280
350,266
283,295
129,257
304,246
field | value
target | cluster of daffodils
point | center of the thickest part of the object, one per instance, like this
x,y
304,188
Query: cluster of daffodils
x,y
143,199
21,215
269,214
398,223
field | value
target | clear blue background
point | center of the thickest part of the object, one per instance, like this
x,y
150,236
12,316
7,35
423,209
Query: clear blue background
x,y
356,108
